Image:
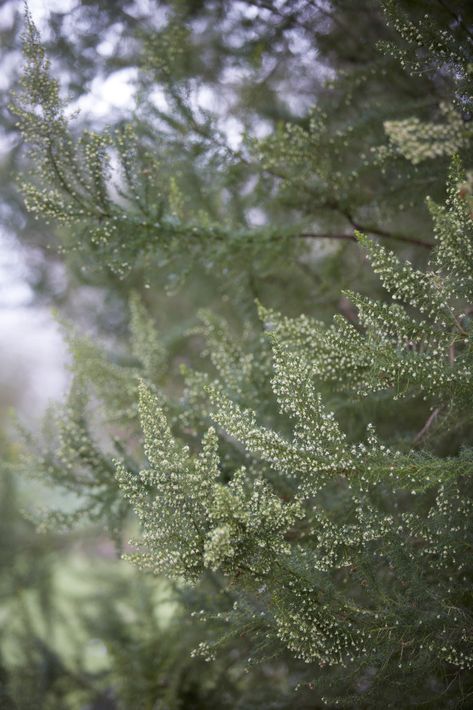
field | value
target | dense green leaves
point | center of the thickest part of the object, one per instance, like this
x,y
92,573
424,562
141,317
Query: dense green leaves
x,y
313,472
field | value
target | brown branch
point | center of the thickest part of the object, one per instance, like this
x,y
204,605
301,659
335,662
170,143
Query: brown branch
x,y
451,354
379,232
372,230
347,309
389,235
309,235
433,416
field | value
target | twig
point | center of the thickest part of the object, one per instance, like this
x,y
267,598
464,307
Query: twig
x,y
389,235
427,425
372,230
310,235
347,309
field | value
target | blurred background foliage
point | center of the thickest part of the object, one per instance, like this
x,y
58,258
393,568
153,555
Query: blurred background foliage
x,y
262,142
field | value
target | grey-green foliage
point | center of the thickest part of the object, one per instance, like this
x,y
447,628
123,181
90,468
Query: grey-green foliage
x,y
307,509
169,177
79,630
429,51
69,452
339,547
396,522
101,416
104,185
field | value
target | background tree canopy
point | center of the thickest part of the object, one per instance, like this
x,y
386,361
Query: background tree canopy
x,y
257,492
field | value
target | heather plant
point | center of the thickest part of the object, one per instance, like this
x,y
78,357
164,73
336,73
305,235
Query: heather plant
x,y
301,481
395,521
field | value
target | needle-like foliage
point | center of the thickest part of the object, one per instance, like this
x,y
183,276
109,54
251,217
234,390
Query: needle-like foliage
x,y
315,474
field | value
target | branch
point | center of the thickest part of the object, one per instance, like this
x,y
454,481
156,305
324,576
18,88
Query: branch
x,y
427,425
346,237
372,230
389,235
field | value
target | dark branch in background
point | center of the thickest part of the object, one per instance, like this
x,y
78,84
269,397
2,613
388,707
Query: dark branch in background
x,y
369,230
385,233
433,416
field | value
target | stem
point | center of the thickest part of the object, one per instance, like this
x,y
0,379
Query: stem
x,y
373,230
433,416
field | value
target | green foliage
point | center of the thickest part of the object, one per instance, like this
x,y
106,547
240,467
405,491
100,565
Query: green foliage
x,y
308,509
304,485
446,53
398,520
169,177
